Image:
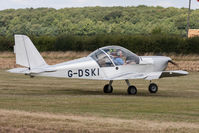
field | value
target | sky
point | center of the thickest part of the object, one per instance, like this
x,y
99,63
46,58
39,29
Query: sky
x,y
7,4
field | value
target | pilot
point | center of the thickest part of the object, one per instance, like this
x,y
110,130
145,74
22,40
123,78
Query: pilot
x,y
118,58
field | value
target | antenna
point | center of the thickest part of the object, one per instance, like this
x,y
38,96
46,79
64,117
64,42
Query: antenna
x,y
188,18
124,3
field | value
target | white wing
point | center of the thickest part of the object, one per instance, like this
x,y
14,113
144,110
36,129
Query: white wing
x,y
149,76
173,73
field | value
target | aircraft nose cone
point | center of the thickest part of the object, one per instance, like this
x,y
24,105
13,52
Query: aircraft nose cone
x,y
163,62
168,59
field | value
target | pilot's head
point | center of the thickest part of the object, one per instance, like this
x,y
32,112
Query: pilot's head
x,y
119,53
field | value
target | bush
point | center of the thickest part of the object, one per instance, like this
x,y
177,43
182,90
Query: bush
x,y
6,43
156,43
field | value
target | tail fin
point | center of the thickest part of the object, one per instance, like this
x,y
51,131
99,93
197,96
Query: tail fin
x,y
26,53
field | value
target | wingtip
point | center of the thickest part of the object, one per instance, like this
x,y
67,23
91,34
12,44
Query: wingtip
x,y
184,72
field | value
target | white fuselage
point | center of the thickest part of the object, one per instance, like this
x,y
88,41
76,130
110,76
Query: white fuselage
x,y
87,68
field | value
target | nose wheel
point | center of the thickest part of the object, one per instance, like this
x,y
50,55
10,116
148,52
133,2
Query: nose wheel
x,y
153,88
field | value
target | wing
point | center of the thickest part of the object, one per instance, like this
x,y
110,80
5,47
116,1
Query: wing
x,y
163,74
149,76
173,73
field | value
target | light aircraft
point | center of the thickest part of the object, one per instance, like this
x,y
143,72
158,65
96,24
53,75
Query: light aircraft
x,y
107,63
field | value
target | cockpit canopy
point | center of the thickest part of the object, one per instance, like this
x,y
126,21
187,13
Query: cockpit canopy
x,y
114,56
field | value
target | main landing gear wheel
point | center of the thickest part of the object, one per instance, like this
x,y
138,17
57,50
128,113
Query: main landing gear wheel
x,y
153,88
132,90
108,89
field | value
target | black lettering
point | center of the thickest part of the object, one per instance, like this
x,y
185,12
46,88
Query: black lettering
x,y
93,72
80,72
70,73
87,72
98,71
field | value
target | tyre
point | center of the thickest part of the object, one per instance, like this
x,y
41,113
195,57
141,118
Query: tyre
x,y
153,88
132,90
108,89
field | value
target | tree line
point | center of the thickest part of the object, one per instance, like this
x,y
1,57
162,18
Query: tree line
x,y
140,29
156,43
97,20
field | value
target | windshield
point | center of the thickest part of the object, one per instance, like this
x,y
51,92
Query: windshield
x,y
102,59
114,56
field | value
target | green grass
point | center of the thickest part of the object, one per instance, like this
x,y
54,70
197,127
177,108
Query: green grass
x,y
176,101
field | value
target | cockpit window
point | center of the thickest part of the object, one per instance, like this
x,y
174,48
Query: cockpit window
x,y
121,56
114,56
102,59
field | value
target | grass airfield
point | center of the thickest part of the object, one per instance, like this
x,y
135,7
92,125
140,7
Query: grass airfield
x,y
43,104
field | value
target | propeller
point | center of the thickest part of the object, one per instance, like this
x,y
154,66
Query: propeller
x,y
173,63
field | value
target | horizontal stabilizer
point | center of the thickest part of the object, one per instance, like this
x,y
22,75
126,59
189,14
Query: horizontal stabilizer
x,y
41,70
32,71
19,70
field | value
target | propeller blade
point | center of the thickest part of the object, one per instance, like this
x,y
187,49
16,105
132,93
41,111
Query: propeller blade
x,y
172,62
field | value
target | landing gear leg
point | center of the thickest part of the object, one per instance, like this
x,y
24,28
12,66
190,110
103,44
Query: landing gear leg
x,y
132,90
108,88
